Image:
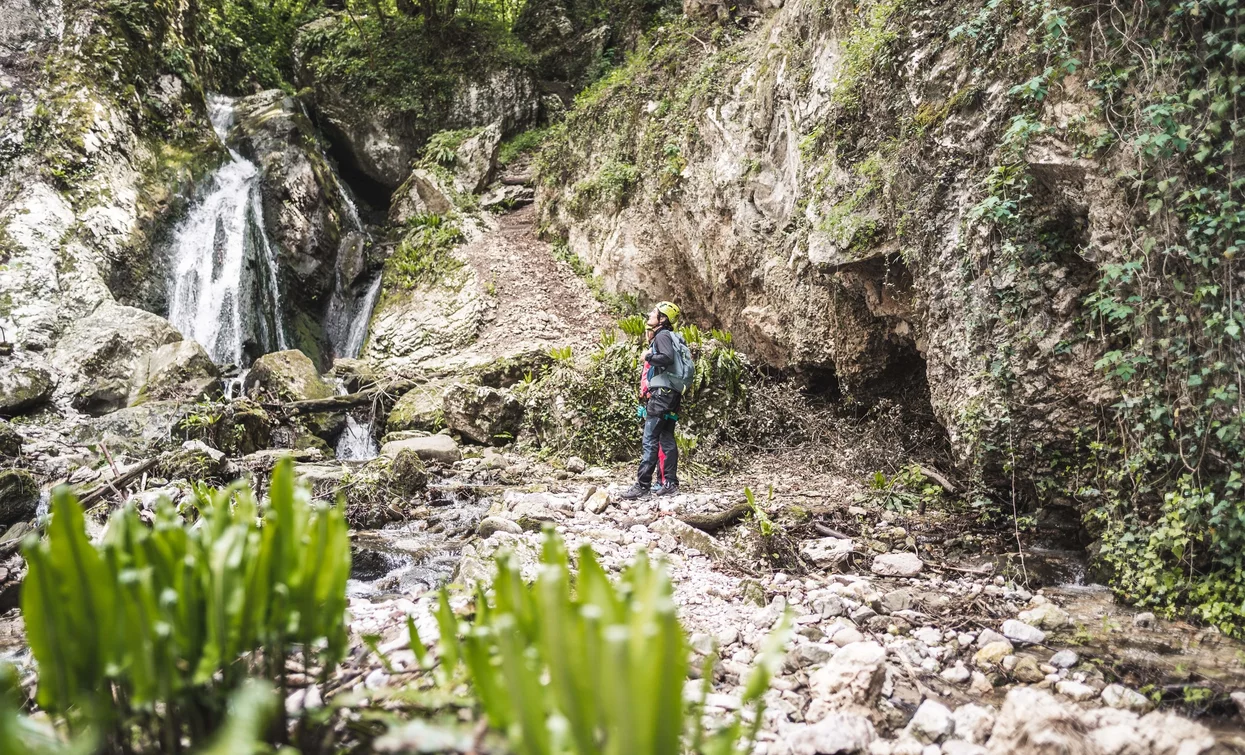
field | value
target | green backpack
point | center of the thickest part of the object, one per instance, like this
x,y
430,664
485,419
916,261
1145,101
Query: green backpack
x,y
678,376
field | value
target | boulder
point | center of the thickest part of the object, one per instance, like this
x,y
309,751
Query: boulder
x,y
1064,659
897,565
407,473
439,448
482,414
973,723
175,371
141,430
490,524
418,409
1026,670
993,653
10,441
854,675
285,376
827,552
100,354
1018,631
1124,698
19,496
839,733
23,387
195,460
931,723
421,194
690,537
477,159
355,374
1045,616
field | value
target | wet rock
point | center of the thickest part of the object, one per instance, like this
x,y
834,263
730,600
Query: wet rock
x,y
490,524
827,551
99,355
482,414
407,474
1064,659
180,371
973,723
19,496
286,376
1045,616
993,653
931,723
854,675
10,441
838,733
897,565
1119,696
439,448
477,160
23,387
1018,631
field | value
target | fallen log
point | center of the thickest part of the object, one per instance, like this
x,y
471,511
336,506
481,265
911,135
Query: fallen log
x,y
117,483
713,522
939,478
392,390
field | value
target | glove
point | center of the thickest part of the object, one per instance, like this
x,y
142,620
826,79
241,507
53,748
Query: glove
x,y
641,412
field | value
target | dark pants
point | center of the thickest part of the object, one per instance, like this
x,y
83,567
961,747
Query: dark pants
x,y
659,436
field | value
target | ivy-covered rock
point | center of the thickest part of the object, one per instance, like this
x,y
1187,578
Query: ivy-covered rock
x,y
19,496
285,376
482,414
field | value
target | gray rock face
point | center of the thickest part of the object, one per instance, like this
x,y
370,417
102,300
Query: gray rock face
x,y
23,386
99,356
421,194
438,448
484,415
19,496
477,159
175,371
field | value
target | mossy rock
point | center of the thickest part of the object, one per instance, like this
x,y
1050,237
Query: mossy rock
x,y
418,409
19,496
195,460
22,388
286,376
10,441
407,473
385,489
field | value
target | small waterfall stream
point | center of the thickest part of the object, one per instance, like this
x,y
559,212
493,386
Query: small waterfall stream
x,y
225,293
350,307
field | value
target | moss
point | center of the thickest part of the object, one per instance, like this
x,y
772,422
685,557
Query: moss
x,y
424,255
526,142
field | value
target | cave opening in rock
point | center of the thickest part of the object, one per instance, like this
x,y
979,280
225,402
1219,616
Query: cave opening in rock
x,y
821,382
373,195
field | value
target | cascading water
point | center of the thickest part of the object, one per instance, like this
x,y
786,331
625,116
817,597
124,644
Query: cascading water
x,y
350,307
356,441
224,293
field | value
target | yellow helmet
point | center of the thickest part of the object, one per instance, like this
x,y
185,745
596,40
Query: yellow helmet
x,y
669,309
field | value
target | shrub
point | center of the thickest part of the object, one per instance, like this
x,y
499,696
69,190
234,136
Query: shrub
x,y
158,626
581,665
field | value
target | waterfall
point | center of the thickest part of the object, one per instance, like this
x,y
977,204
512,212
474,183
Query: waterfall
x,y
356,441
225,293
350,307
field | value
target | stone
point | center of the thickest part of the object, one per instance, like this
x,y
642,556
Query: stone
x,y
973,723
285,376
477,159
987,636
1145,620
576,465
407,474
993,654
490,524
1064,659
806,654
1018,631
956,674
847,636
827,551
19,496
1026,670
1045,616
418,409
854,675
439,448
931,723
1033,721
180,371
421,194
960,747
839,733
10,441
897,565
195,460
23,387
1170,734
1238,698
1124,698
690,537
1076,690
598,501
895,601
482,414
99,355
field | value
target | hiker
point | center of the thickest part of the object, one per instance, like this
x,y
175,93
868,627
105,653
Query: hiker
x,y
646,371
671,367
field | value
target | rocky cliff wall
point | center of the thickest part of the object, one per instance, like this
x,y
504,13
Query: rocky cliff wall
x,y
810,183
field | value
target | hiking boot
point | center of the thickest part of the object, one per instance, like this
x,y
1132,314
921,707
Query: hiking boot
x,y
670,489
634,493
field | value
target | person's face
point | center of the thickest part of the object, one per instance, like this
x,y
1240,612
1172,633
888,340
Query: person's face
x,y
652,320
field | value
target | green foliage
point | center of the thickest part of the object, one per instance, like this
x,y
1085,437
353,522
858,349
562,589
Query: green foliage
x,y
442,147
866,47
609,187
522,143
424,256
634,326
906,491
247,42
764,524
578,664
159,625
